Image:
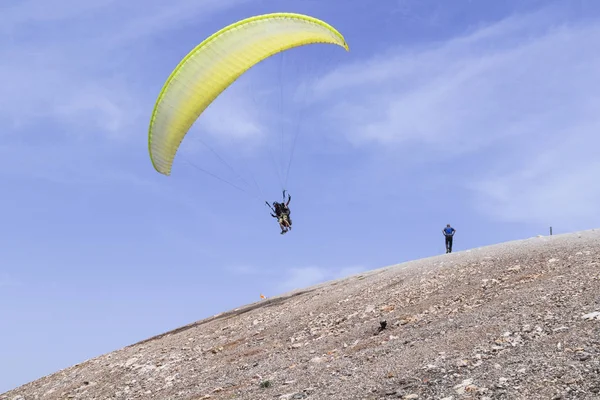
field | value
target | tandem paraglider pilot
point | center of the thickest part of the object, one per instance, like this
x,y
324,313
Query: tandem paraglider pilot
x,y
282,213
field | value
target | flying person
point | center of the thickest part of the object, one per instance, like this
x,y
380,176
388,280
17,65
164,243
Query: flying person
x,y
282,213
448,232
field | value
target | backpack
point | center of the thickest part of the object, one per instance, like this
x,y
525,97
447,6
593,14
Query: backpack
x,y
278,208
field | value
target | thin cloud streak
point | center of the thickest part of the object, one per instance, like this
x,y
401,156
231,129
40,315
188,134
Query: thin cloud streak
x,y
492,98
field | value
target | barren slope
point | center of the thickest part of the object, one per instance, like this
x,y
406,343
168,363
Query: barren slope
x,y
500,322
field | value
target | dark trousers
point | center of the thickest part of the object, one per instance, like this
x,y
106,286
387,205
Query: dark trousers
x,y
448,244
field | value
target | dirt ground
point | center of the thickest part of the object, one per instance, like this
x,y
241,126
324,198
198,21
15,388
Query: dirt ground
x,y
518,320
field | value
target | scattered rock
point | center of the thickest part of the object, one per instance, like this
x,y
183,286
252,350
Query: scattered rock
x,y
462,363
382,326
591,316
130,362
583,356
464,386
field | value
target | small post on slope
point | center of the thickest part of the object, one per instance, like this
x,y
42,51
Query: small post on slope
x,y
550,231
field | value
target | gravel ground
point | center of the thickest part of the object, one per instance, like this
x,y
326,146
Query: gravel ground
x,y
518,320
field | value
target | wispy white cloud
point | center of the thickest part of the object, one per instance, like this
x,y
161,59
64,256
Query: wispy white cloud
x,y
76,77
153,18
299,278
244,269
7,280
129,20
104,108
31,12
348,271
233,117
512,105
78,166
85,75
447,96
554,185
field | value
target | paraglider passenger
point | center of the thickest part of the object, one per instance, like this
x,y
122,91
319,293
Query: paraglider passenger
x,y
282,213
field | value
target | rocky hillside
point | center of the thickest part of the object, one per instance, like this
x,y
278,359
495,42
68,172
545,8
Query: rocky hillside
x,y
518,320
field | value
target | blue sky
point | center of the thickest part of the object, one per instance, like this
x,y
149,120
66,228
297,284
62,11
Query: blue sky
x,y
479,114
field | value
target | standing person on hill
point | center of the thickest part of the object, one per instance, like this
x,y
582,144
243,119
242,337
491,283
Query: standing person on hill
x,y
448,232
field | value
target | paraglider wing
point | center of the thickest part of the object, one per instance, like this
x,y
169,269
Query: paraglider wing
x,y
215,64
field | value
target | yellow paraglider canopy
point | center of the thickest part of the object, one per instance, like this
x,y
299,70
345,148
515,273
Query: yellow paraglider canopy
x,y
215,64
